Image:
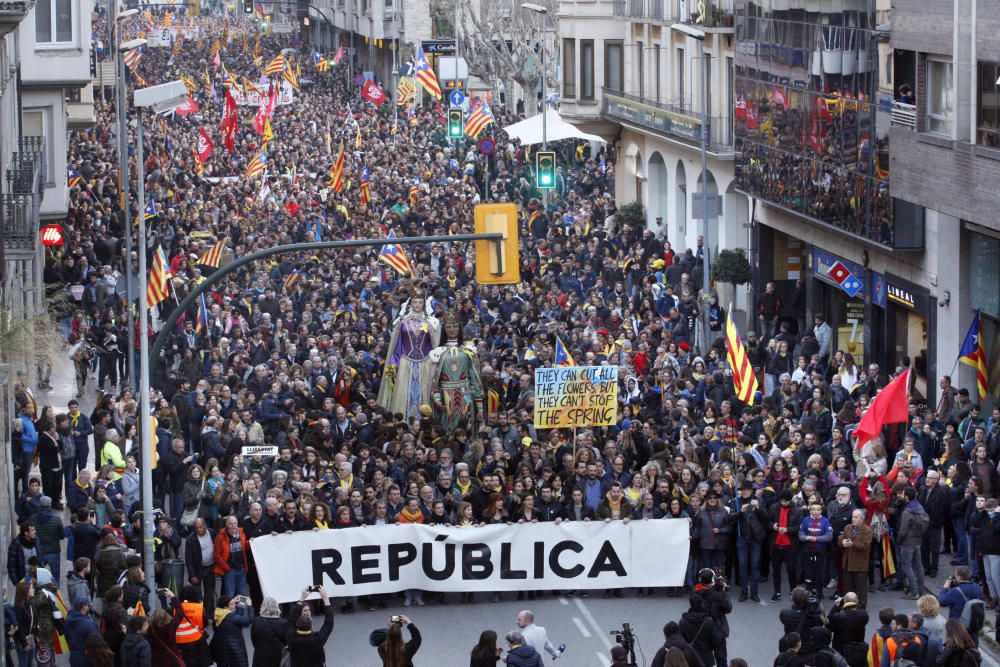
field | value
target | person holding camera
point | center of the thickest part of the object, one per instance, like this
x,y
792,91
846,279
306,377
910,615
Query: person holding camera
x,y
393,651
712,587
750,523
804,615
232,614
305,647
847,622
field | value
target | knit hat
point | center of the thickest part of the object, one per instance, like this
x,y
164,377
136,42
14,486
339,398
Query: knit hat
x,y
45,501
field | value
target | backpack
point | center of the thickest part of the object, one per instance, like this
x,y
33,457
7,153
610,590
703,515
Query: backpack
x,y
909,649
973,613
920,524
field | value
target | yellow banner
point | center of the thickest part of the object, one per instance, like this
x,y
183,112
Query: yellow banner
x,y
576,396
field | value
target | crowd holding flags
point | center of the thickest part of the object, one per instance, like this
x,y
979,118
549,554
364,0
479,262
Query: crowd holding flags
x,y
276,66
744,380
393,255
974,354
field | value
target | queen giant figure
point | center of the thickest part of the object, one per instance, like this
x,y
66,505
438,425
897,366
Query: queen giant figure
x,y
407,378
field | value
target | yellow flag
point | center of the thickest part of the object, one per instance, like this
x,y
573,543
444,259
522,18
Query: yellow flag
x,y
268,134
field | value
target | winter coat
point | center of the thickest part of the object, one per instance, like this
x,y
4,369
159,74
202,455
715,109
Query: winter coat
x,y
135,651
78,628
17,563
410,648
906,535
109,563
524,656
77,589
855,557
228,647
749,522
703,633
307,650
268,637
705,521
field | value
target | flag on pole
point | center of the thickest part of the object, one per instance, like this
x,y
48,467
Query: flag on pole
x,y
257,164
215,48
406,90
189,83
276,66
289,282
228,79
336,182
414,192
974,354
168,19
890,406
366,187
201,322
562,355
159,272
339,55
425,74
393,255
744,380
132,58
321,63
251,87
150,212
292,78
213,256
73,177
994,366
199,167
479,119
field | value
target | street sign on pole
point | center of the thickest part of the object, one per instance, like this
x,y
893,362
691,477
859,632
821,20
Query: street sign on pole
x,y
486,146
457,98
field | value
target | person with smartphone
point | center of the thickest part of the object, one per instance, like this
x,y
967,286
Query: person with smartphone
x,y
228,644
305,647
393,650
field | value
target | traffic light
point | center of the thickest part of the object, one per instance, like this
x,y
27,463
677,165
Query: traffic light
x,y
456,124
545,170
497,264
247,6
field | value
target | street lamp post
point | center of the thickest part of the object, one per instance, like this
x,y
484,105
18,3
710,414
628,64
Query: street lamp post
x,y
160,98
539,9
695,33
124,184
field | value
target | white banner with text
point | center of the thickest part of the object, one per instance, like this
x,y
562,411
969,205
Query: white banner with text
x,y
532,556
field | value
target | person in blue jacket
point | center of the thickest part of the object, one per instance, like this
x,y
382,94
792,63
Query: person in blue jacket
x,y
29,443
229,647
79,626
959,589
815,536
81,429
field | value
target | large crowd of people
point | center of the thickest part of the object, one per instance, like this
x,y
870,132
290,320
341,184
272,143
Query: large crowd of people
x,y
305,354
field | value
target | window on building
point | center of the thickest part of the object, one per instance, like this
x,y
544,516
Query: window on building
x,y
988,110
940,97
656,70
54,22
569,68
587,69
679,73
640,69
614,70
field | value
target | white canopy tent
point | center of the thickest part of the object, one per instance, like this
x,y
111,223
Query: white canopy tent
x,y
529,131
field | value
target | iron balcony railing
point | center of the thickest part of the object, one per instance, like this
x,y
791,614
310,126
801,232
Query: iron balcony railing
x,y
669,120
20,220
24,186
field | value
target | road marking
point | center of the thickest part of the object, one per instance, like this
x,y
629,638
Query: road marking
x,y
593,623
602,659
581,627
563,601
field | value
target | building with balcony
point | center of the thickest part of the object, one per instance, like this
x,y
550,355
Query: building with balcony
x,y
946,154
56,82
815,90
628,76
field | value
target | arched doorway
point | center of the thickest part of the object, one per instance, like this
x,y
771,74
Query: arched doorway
x,y
640,181
712,226
679,226
657,216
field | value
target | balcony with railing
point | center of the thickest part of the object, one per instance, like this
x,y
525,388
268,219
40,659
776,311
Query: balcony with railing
x,y
24,186
12,12
669,121
719,17
904,115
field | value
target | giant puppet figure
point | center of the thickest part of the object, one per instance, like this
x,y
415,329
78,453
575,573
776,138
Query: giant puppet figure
x,y
458,388
407,378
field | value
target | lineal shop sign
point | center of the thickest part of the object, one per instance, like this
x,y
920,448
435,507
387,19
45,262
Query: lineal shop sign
x,y
537,556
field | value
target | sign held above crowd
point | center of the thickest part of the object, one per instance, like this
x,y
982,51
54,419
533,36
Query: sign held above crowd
x,y
576,396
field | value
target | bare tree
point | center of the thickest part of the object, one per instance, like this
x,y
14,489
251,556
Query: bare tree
x,y
501,41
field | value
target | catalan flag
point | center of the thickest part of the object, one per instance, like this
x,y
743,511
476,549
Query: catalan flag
x,y
478,120
425,74
744,380
406,90
276,66
168,19
336,182
366,187
974,354
321,63
215,48
268,134
60,611
147,16
176,49
291,77
199,168
414,192
132,58
251,87
393,255
189,83
290,280
228,79
213,256
258,60
201,321
258,164
562,355
73,177
159,273
150,211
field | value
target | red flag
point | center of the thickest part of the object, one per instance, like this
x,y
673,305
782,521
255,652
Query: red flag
x,y
272,99
741,107
339,55
888,407
752,117
230,119
260,118
205,146
190,106
778,96
371,92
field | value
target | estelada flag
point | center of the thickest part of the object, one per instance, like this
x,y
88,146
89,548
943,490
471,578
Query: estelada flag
x,y
292,79
336,182
371,92
156,288
973,353
213,256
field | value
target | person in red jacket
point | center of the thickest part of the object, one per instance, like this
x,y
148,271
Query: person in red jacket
x,y
231,558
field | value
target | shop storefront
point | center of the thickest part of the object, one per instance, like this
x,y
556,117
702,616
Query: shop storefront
x,y
837,290
904,315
